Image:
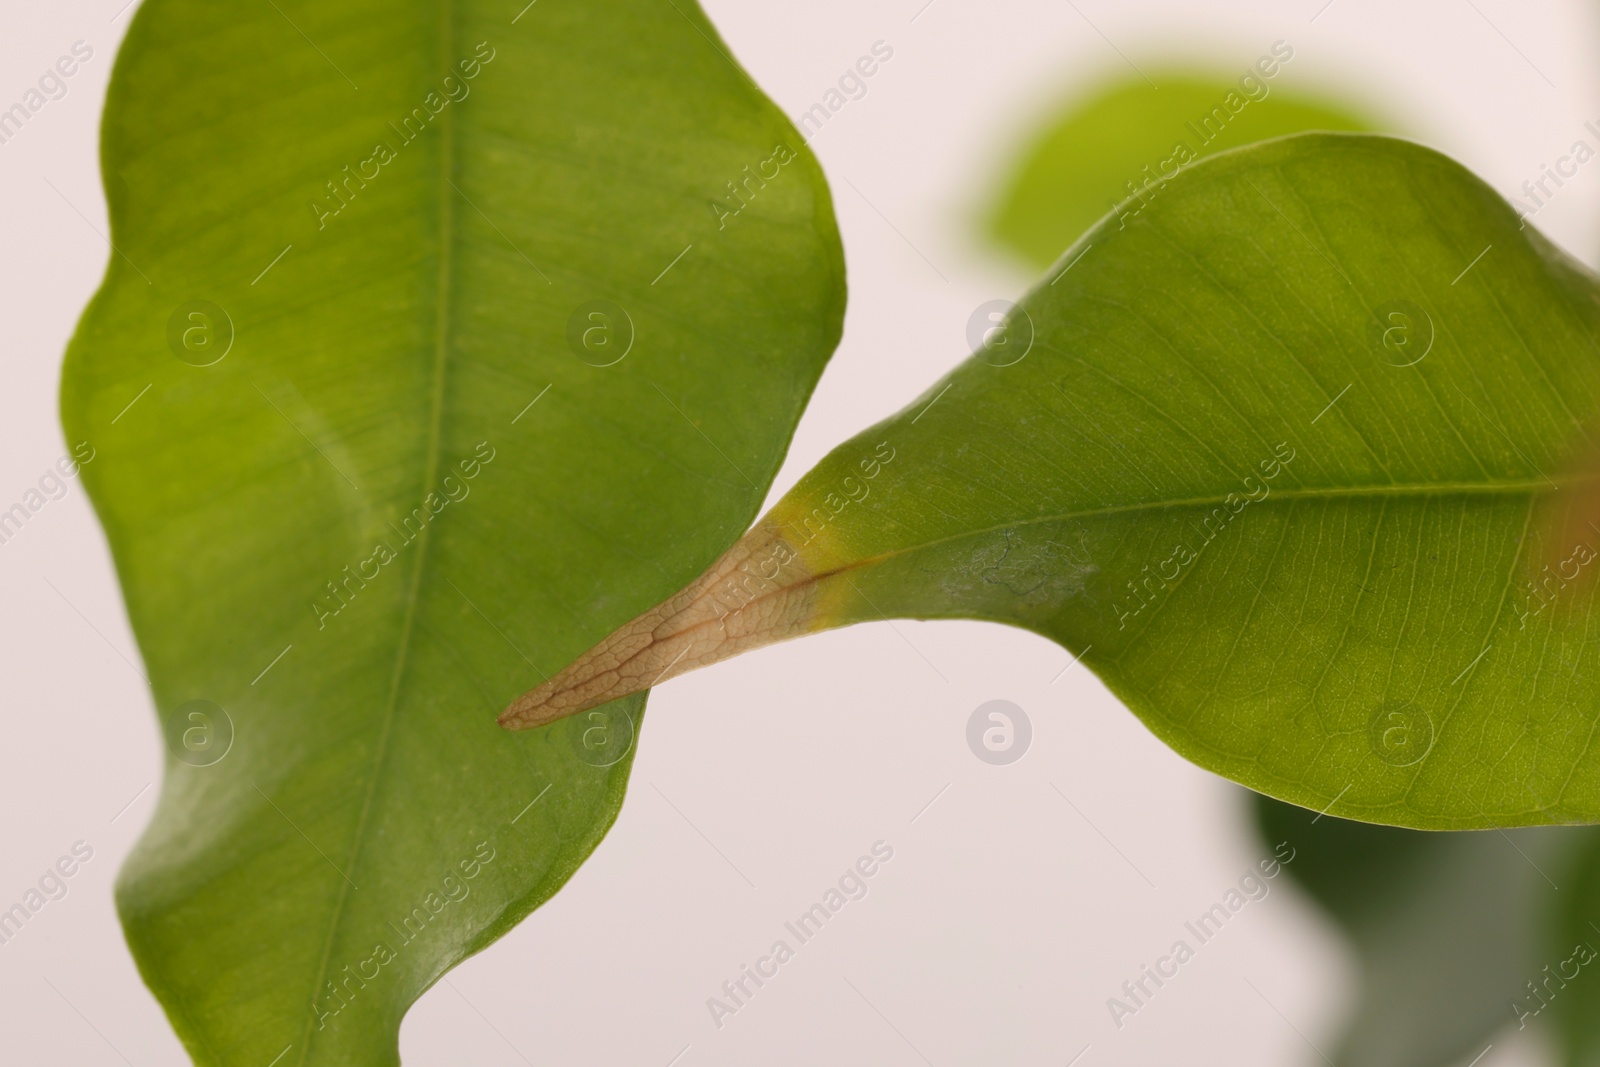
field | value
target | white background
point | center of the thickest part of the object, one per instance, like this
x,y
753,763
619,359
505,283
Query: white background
x,y
1024,895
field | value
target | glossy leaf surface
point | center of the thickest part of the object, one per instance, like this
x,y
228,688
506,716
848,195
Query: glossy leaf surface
x,y
1449,928
436,345
1278,457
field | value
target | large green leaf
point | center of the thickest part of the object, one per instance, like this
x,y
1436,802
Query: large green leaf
x,y
1114,145
385,360
1276,459
1447,927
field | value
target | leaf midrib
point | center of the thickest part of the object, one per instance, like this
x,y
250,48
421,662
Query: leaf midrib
x,y
1530,486
446,129
811,621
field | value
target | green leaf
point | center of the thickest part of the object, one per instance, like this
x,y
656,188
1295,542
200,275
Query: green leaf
x,y
1562,987
426,345
1103,150
1448,928
1276,458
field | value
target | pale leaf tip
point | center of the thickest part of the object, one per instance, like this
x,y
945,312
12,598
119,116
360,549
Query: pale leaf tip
x,y
756,593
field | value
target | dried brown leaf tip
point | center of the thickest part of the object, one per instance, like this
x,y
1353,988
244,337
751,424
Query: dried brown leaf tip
x,y
758,592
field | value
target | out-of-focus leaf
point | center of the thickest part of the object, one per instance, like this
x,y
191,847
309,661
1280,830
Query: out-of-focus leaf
x,y
1107,147
1448,928
1565,986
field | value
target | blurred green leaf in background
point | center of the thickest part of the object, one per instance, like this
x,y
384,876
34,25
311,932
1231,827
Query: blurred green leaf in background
x,y
1118,140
